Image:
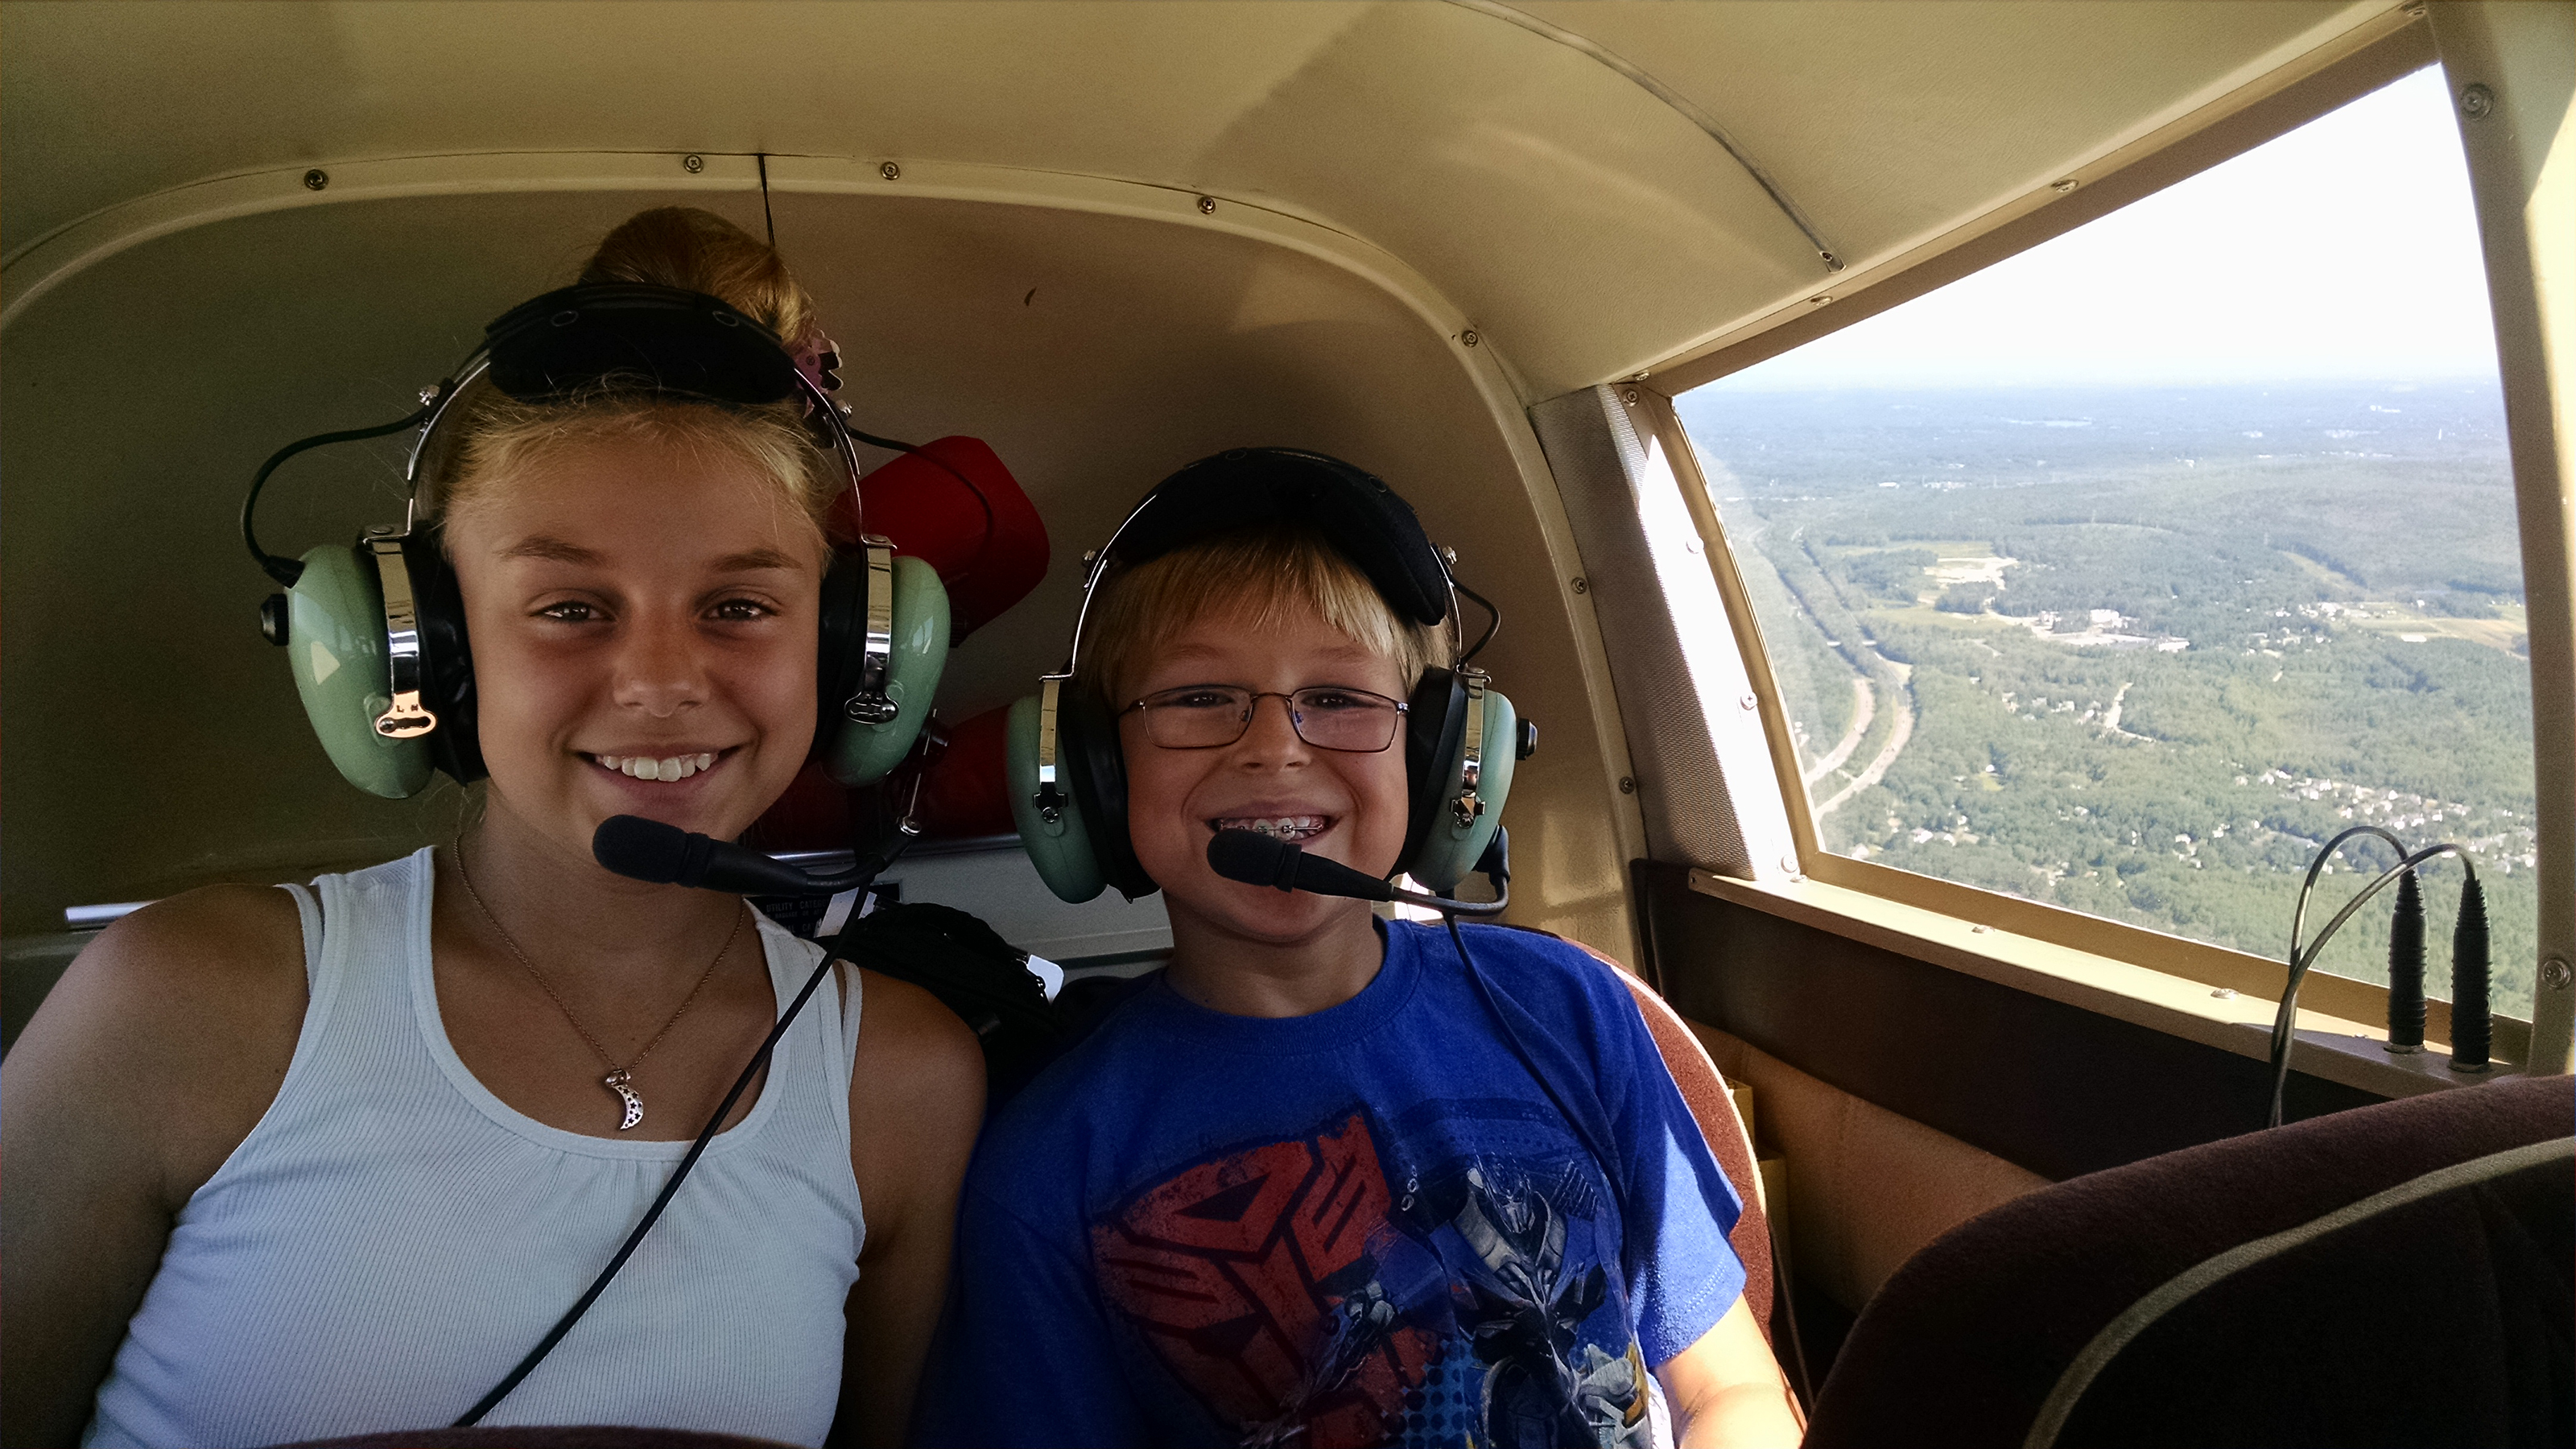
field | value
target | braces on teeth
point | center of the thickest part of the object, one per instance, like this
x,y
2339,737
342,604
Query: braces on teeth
x,y
678,767
1285,827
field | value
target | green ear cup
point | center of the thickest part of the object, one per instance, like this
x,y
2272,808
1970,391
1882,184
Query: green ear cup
x,y
862,753
335,641
1059,848
1452,850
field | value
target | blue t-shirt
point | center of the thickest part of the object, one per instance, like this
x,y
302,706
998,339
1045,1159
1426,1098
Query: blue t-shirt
x,y
1371,1225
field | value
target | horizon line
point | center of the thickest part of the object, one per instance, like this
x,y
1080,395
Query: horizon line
x,y
2394,382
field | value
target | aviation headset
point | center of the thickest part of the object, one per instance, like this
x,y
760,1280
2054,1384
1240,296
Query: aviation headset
x,y
1067,777
375,633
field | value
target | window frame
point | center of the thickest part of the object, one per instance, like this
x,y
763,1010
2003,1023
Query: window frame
x,y
2361,1002
2369,58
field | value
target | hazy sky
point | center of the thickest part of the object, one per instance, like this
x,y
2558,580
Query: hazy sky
x,y
2345,249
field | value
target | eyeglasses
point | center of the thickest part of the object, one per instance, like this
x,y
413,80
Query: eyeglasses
x,y
1327,716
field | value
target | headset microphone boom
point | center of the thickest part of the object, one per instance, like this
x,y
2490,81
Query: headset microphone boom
x,y
1257,859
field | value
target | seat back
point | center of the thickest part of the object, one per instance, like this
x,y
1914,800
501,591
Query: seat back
x,y
2394,1274
1704,1092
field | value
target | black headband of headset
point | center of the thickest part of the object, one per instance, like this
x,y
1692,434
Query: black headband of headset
x,y
618,336
1357,514
631,334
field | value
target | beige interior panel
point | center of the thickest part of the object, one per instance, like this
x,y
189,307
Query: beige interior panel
x,y
1541,178
1867,1188
1584,224
155,741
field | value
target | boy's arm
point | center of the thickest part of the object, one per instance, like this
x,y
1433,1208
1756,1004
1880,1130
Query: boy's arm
x,y
1027,1355
1726,1390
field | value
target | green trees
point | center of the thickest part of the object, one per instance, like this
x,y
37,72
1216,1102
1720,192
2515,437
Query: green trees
x,y
2201,663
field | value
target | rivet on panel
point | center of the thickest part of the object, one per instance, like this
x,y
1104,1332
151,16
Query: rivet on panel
x,y
1627,784
1820,299
1628,395
693,163
1582,585
2224,993
890,171
2065,186
1789,862
2555,973
1980,929
429,394
316,179
2477,102
1207,206
1469,338
1749,702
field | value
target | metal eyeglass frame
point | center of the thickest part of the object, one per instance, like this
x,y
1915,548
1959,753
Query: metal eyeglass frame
x,y
1296,722
1051,795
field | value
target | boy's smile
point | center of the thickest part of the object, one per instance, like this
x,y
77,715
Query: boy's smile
x,y
1347,806
1295,829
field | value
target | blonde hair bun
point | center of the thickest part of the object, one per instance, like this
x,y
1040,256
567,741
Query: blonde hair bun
x,y
499,442
698,251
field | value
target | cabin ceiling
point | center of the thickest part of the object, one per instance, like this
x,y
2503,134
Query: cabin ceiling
x,y
1586,226
1389,175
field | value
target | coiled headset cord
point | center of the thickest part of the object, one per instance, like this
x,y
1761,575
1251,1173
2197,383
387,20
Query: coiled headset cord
x,y
653,1214
287,570
2285,1017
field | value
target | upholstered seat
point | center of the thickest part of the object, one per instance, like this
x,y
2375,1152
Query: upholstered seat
x,y
2397,1274
1704,1091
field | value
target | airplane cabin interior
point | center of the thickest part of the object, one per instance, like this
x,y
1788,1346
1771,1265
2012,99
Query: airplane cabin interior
x,y
1489,251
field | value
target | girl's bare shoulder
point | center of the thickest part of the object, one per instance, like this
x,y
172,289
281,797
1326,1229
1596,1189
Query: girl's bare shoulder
x,y
224,949
176,1025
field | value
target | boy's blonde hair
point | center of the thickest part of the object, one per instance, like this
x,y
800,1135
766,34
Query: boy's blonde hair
x,y
1251,577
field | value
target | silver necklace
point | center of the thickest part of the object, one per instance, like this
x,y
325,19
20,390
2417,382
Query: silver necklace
x,y
620,1079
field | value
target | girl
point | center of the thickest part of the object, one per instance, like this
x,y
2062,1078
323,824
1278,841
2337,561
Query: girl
x,y
287,1163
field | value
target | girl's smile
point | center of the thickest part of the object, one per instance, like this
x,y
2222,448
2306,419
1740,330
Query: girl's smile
x,y
644,626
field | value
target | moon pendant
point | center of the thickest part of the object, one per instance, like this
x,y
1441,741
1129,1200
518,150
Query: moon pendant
x,y
621,1083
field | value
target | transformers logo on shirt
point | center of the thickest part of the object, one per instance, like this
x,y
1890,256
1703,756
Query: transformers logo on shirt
x,y
1303,1298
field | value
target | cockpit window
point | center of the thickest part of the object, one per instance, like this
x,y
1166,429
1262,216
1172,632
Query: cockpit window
x,y
2122,574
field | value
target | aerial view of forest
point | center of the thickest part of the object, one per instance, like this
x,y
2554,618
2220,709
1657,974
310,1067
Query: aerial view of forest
x,y
2139,652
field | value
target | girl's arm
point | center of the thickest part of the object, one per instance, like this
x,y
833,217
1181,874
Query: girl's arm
x,y
1726,1390
146,1066
916,1101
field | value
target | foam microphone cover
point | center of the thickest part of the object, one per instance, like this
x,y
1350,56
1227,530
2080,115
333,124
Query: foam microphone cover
x,y
1257,859
649,850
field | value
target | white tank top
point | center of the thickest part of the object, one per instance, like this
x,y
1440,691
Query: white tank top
x,y
391,1239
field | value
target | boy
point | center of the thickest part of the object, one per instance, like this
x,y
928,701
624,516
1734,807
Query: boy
x,y
1309,1187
